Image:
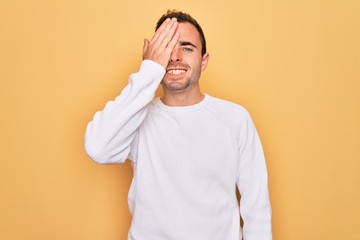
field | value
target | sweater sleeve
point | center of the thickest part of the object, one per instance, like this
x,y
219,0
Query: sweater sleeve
x,y
252,182
110,134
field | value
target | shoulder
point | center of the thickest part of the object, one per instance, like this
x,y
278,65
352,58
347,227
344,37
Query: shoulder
x,y
234,115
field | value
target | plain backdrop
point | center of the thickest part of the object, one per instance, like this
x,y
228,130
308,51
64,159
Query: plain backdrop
x,y
293,64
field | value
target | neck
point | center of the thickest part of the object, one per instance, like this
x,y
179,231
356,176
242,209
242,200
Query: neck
x,y
182,98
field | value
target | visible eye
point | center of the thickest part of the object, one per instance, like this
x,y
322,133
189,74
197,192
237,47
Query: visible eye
x,y
186,49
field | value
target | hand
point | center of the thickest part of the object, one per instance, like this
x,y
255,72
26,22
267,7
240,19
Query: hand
x,y
160,47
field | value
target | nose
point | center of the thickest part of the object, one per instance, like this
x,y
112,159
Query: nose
x,y
175,56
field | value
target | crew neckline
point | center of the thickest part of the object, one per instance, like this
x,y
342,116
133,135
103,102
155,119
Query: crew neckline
x,y
159,104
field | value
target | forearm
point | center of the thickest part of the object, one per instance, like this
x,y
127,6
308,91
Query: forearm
x,y
110,133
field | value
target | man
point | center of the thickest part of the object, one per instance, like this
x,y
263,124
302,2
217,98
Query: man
x,y
189,151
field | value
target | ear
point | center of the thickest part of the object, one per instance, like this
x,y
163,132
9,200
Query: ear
x,y
204,61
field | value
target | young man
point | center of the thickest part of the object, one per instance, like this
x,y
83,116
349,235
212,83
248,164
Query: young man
x,y
189,151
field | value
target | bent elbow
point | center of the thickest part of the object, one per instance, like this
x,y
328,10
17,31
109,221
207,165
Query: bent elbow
x,y
93,147
104,155
93,153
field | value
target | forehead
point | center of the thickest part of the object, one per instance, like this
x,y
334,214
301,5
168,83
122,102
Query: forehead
x,y
188,32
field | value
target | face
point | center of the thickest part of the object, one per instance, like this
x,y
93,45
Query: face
x,y
186,61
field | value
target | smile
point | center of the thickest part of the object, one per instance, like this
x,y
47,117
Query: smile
x,y
175,71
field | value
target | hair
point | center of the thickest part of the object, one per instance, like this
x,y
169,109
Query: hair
x,y
184,17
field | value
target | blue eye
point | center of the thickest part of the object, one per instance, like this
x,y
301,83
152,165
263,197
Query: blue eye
x,y
186,49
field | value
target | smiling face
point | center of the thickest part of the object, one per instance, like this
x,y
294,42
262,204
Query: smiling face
x,y
186,61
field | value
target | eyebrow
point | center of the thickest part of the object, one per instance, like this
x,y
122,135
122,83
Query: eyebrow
x,y
186,43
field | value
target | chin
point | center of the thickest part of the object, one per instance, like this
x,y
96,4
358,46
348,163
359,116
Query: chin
x,y
174,86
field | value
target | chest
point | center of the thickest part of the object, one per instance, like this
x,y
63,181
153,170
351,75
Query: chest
x,y
192,143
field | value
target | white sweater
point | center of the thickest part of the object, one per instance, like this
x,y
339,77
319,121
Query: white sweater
x,y
187,163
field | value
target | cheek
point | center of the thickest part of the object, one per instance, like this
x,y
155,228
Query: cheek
x,y
196,70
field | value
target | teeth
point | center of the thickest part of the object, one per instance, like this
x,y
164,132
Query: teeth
x,y
176,71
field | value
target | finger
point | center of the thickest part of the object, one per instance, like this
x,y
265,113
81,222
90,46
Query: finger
x,y
169,29
169,34
159,30
170,47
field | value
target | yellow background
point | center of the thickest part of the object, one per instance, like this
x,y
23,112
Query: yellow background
x,y
294,64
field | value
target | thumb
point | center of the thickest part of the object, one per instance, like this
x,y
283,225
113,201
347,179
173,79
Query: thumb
x,y
146,44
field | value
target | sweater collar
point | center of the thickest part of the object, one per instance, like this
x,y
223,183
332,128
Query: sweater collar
x,y
160,105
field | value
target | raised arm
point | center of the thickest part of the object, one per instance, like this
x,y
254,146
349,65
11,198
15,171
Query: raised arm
x,y
109,136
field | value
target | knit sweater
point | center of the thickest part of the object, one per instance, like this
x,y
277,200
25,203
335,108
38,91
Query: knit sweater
x,y
187,163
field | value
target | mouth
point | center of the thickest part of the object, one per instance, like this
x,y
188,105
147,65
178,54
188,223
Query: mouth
x,y
175,71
